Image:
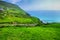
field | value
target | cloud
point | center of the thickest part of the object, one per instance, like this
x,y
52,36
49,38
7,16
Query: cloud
x,y
15,1
32,5
42,5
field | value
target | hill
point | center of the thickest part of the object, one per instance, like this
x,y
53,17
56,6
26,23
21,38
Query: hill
x,y
12,14
12,8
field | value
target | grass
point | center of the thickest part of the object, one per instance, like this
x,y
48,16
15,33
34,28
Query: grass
x,y
20,20
29,33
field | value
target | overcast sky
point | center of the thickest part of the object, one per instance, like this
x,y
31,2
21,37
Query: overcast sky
x,y
38,4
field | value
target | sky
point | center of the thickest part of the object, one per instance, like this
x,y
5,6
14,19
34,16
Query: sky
x,y
46,10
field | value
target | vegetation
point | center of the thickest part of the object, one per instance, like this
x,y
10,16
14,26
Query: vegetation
x,y
11,15
30,33
40,31
53,24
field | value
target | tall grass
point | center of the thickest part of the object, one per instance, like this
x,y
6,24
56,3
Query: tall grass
x,y
30,33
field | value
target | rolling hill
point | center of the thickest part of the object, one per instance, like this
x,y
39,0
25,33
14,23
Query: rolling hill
x,y
12,14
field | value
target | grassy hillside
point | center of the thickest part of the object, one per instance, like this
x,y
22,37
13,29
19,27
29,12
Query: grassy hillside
x,y
13,13
30,33
12,8
54,25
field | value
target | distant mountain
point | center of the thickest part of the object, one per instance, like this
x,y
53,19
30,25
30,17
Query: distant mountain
x,y
11,13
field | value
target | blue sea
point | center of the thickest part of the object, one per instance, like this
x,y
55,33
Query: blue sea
x,y
46,15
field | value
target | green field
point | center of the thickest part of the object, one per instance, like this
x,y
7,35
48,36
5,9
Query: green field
x,y
13,14
29,33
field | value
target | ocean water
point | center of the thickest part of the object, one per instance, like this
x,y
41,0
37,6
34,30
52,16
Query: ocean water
x,y
47,15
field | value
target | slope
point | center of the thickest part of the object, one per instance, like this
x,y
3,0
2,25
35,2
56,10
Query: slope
x,y
12,14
